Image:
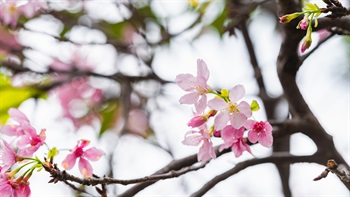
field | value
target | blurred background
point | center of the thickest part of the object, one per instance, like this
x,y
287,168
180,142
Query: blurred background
x,y
121,59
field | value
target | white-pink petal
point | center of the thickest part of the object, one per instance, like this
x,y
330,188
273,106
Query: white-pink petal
x,y
192,140
201,104
202,69
237,120
17,115
186,81
236,93
217,104
221,120
244,108
190,98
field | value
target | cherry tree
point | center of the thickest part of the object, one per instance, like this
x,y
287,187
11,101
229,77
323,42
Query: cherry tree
x,y
82,82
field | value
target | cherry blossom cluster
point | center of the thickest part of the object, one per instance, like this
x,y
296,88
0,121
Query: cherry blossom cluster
x,y
12,10
17,160
232,116
310,12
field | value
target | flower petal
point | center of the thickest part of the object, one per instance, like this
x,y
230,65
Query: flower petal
x,y
192,140
265,139
237,120
69,161
217,104
17,115
201,104
236,93
245,109
93,154
190,98
85,168
221,120
249,124
202,69
186,82
253,136
206,151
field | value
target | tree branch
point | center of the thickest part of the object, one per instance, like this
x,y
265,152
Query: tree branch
x,y
275,158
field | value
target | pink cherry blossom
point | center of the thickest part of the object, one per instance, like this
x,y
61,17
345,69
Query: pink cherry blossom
x,y
92,154
236,113
259,132
10,11
17,130
8,157
194,138
304,22
234,138
30,143
197,86
78,100
11,187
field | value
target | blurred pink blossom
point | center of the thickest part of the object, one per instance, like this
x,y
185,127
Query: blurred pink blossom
x,y
8,157
92,154
10,187
10,11
29,141
78,100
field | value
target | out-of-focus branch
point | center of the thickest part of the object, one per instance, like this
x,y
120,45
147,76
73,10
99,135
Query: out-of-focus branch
x,y
275,158
282,144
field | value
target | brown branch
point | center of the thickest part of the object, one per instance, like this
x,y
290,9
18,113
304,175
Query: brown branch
x,y
58,175
174,165
282,144
275,158
333,167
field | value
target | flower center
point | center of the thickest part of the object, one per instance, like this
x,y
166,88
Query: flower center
x,y
232,107
259,126
35,141
200,90
79,152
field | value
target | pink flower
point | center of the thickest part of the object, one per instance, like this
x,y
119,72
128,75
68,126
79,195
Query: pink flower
x,y
8,157
197,86
78,100
10,187
231,111
9,13
92,154
29,140
259,132
234,138
30,143
194,138
200,119
17,130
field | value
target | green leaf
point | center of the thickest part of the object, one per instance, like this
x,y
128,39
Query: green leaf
x,y
219,22
52,153
254,106
12,97
109,116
